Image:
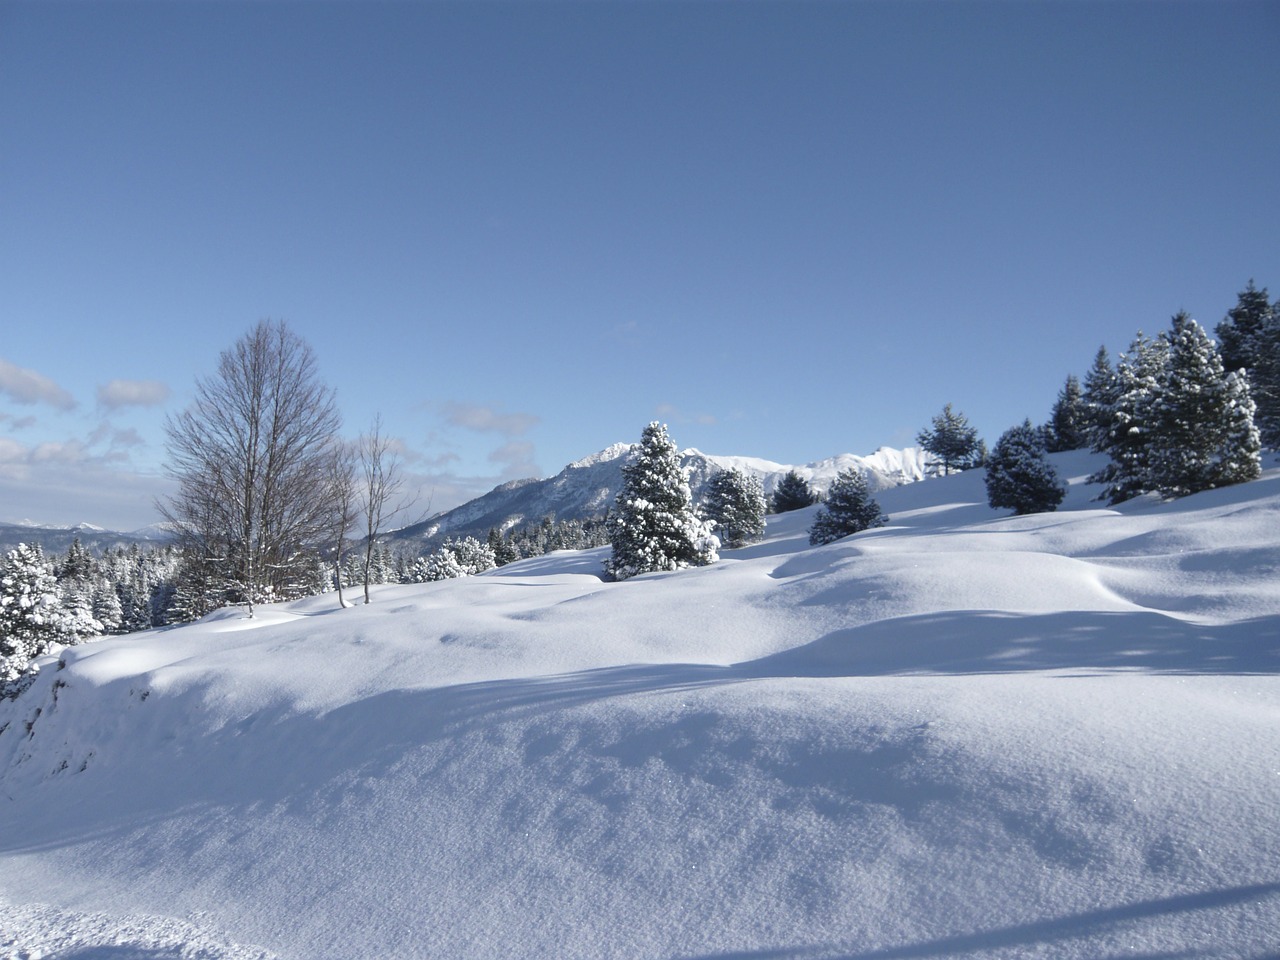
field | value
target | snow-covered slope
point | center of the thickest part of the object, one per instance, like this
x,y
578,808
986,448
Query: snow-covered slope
x,y
960,735
587,487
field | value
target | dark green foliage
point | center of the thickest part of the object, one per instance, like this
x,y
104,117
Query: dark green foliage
x,y
735,504
848,509
1239,333
1069,421
792,493
1101,390
1019,476
953,441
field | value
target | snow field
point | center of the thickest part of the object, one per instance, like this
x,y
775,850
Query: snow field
x,y
959,735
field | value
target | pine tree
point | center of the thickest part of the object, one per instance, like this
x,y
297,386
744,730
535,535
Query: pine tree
x,y
848,509
953,441
503,551
1138,376
1101,391
735,504
1202,433
792,493
1264,381
1019,476
1069,421
1239,333
32,619
654,526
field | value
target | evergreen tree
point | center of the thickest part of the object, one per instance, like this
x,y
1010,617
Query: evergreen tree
x,y
735,504
1239,333
1101,391
1069,421
1138,376
1201,428
848,509
655,526
793,493
503,551
31,615
953,441
1019,476
1264,381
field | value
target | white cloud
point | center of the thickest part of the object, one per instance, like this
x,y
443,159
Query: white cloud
x,y
26,386
517,458
133,393
473,416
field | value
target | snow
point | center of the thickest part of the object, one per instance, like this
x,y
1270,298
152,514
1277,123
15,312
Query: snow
x,y
963,734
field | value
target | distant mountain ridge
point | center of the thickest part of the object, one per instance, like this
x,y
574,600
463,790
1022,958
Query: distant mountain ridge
x,y
57,539
587,488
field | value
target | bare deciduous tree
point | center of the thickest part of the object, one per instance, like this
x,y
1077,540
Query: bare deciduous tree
x,y
341,481
381,497
250,456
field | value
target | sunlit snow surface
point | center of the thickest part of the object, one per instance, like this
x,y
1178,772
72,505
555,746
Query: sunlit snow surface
x,y
960,735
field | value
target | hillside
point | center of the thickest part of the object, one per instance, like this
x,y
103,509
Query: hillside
x,y
587,488
960,735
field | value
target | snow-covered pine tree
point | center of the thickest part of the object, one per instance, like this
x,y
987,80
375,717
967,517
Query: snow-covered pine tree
x,y
952,440
848,509
792,493
31,615
735,504
1201,430
654,525
1101,391
1019,476
1138,376
1069,420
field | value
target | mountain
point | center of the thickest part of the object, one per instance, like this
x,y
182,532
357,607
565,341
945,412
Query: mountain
x,y
587,487
56,539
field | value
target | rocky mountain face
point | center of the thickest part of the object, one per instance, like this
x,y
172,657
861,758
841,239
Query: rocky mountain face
x,y
587,487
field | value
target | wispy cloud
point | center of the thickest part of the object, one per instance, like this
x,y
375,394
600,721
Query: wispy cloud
x,y
133,393
517,459
483,419
17,423
669,411
27,386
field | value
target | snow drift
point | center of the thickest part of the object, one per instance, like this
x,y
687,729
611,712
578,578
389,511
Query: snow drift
x,y
960,735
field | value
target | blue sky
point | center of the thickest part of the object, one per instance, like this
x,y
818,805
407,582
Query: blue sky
x,y
522,231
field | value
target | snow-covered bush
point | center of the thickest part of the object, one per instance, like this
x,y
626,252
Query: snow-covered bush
x,y
849,508
454,558
654,526
1020,476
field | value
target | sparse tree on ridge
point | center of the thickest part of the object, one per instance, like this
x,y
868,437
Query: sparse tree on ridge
x,y
848,509
792,493
952,440
1019,476
654,526
249,455
735,504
